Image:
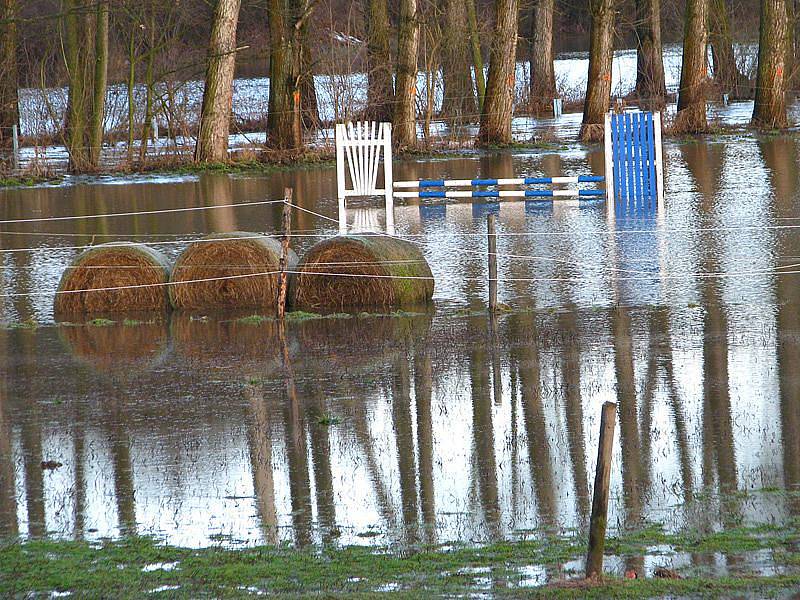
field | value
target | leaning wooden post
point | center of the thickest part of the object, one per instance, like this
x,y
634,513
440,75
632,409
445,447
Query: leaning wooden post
x,y
602,481
283,276
492,264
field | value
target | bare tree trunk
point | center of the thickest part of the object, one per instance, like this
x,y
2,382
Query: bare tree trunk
x,y
76,36
458,103
726,74
85,36
792,71
691,117
380,89
601,56
149,82
770,107
131,86
100,84
404,118
287,19
215,116
9,73
308,89
430,35
498,106
650,84
477,53
543,74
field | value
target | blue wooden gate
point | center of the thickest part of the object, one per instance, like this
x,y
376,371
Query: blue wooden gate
x,y
634,158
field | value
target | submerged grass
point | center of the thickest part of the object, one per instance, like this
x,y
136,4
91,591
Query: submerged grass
x,y
26,181
133,566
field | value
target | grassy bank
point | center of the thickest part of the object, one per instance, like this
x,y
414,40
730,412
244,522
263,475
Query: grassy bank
x,y
133,566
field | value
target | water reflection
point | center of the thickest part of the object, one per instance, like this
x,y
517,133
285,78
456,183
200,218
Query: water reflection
x,y
407,440
415,429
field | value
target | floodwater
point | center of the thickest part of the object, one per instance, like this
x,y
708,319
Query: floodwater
x,y
429,427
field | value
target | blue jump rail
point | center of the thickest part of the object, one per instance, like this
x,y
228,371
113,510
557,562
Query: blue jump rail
x,y
422,188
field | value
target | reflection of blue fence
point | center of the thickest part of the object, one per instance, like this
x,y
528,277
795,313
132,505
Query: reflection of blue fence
x,y
481,209
430,212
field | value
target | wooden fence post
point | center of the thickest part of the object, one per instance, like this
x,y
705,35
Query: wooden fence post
x,y
492,263
283,276
602,481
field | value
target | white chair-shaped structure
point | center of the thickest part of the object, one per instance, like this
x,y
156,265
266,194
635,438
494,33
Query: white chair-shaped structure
x,y
362,147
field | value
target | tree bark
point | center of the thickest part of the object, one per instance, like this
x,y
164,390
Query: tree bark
x,y
85,36
9,71
477,53
770,106
601,57
650,84
149,82
215,115
498,106
308,89
100,84
404,119
458,104
691,117
287,19
76,35
726,74
380,88
543,74
792,72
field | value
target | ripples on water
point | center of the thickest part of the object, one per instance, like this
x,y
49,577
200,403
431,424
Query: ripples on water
x,y
432,427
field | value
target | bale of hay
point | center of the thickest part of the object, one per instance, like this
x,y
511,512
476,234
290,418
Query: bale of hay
x,y
224,273
113,278
371,271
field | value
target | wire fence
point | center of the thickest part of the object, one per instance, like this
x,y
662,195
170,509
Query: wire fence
x,y
603,272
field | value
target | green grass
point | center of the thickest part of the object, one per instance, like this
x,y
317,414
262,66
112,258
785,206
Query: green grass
x,y
26,181
100,323
328,420
117,568
253,320
134,322
249,166
29,323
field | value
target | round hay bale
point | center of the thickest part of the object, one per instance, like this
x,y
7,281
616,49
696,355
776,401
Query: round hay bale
x,y
233,262
101,269
371,272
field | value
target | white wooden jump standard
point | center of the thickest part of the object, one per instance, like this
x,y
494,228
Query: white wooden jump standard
x,y
361,146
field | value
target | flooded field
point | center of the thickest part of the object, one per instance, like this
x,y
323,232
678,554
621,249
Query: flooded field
x,y
429,427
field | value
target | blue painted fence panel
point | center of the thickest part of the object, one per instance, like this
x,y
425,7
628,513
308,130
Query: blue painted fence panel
x,y
645,140
634,161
